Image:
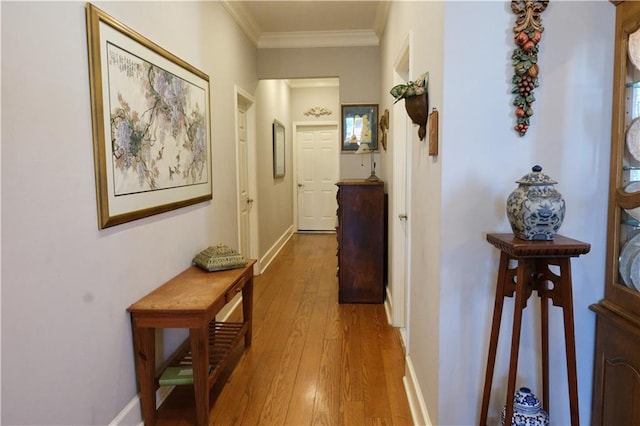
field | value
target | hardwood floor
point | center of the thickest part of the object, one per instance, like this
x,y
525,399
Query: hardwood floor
x,y
312,361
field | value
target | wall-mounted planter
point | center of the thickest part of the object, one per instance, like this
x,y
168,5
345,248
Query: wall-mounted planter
x,y
416,101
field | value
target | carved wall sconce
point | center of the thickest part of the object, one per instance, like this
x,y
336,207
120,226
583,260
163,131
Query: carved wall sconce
x,y
383,123
318,111
416,101
528,32
433,132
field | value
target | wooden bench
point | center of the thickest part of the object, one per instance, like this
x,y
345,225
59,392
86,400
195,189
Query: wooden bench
x,y
191,300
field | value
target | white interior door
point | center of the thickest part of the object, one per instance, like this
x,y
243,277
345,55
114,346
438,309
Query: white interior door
x,y
245,201
400,220
317,173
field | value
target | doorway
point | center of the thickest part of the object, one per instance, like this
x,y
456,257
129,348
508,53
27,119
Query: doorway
x,y
245,159
400,218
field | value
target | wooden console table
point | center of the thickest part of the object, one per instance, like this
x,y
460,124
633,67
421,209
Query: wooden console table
x,y
191,300
532,273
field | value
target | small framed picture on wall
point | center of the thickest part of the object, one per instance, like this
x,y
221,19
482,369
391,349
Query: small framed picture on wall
x,y
359,125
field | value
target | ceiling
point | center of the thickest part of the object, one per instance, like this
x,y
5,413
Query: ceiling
x,y
310,23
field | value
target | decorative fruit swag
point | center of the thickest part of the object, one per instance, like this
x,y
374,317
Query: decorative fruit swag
x,y
528,30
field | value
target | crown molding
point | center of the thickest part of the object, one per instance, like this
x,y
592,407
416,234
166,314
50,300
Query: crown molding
x,y
307,39
244,19
305,83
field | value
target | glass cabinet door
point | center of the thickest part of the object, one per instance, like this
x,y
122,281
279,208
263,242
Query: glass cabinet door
x,y
626,165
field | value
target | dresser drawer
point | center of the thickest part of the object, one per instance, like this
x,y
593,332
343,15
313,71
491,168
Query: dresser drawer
x,y
237,288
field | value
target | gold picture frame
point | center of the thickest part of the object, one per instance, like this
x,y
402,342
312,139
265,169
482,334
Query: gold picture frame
x,y
151,124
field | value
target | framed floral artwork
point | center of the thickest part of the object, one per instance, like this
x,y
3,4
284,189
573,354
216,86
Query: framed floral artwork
x,y
151,124
359,126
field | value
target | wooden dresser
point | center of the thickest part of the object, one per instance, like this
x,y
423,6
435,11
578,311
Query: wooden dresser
x,y
360,233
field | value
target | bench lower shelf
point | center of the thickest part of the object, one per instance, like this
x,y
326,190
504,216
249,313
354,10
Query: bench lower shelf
x,y
223,338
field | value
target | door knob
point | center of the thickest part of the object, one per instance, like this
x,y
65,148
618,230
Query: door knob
x,y
249,200
402,216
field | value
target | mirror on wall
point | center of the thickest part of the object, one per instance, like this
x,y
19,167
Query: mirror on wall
x,y
278,149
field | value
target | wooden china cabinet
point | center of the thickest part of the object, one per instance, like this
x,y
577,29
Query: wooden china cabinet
x,y
616,385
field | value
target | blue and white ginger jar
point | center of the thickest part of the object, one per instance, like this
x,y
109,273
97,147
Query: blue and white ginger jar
x,y
535,209
527,410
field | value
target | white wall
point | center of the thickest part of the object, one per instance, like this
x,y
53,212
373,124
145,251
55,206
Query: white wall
x,y
304,98
421,25
358,69
275,195
460,196
66,337
482,157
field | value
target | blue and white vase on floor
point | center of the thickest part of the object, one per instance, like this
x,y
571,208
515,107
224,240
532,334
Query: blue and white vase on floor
x,y
535,209
527,410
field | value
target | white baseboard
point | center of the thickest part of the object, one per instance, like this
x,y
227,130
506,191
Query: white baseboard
x,y
388,309
403,338
131,415
388,305
417,405
268,257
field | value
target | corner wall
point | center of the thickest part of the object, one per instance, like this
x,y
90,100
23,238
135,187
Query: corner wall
x,y
483,156
275,195
421,24
460,196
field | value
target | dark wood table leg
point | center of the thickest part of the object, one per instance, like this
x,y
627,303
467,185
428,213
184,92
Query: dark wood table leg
x,y
544,333
569,338
200,357
518,307
493,341
247,310
144,345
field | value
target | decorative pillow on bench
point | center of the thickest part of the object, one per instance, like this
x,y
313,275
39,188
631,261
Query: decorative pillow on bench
x,y
219,258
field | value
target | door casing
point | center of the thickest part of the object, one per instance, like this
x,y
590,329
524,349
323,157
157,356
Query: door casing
x,y
246,101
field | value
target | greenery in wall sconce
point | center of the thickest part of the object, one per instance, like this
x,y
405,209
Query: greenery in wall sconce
x,y
528,32
416,101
